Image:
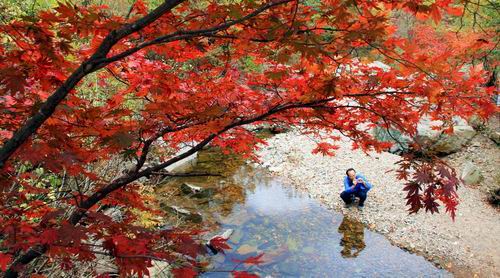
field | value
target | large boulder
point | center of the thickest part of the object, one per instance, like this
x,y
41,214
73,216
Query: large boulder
x,y
490,128
429,135
401,142
471,174
436,140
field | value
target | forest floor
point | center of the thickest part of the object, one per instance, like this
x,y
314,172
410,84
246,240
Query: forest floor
x,y
468,246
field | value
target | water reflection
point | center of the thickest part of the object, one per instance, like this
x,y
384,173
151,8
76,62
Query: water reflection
x,y
295,232
353,237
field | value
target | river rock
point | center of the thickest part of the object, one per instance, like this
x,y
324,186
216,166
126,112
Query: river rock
x,y
237,218
236,237
490,128
400,141
196,191
277,129
159,269
224,236
495,136
246,248
429,137
471,173
308,250
105,266
115,214
184,213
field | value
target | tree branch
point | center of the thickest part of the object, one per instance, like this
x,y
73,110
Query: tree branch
x,y
89,66
128,178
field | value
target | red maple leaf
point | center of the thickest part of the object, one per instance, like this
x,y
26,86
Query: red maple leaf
x,y
219,243
251,260
243,274
4,261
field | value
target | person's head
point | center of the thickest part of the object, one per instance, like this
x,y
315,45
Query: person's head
x,y
351,173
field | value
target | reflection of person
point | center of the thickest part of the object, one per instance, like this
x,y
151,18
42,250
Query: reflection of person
x,y
355,185
353,235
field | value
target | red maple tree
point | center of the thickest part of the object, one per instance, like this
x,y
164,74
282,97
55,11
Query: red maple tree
x,y
81,86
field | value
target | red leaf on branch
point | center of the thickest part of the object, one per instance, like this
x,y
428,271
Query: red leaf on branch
x,y
4,261
325,149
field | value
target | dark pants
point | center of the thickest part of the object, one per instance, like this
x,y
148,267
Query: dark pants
x,y
358,191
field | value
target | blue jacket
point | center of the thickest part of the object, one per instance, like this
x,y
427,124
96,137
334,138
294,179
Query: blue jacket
x,y
348,183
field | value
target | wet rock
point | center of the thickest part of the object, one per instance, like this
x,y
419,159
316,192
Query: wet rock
x,y
183,164
196,191
292,244
237,218
236,237
183,213
471,174
308,250
246,248
275,255
224,236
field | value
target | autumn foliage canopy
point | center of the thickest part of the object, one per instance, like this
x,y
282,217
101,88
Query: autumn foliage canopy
x,y
81,86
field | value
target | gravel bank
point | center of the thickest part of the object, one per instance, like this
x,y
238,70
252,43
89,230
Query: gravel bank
x,y
468,247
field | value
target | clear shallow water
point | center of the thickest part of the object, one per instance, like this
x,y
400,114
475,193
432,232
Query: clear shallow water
x,y
304,239
298,236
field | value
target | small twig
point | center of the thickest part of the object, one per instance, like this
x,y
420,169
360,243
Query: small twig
x,y
193,174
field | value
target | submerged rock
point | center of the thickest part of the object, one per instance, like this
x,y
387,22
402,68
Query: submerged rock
x,y
237,218
183,213
246,249
196,191
237,236
224,236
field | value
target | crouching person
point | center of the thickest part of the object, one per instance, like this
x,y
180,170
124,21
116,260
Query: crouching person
x,y
355,185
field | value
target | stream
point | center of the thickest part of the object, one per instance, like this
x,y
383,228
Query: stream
x,y
298,236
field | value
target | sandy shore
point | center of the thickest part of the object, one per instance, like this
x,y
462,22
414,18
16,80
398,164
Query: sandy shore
x,y
467,247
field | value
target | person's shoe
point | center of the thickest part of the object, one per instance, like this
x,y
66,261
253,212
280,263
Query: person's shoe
x,y
346,205
361,207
